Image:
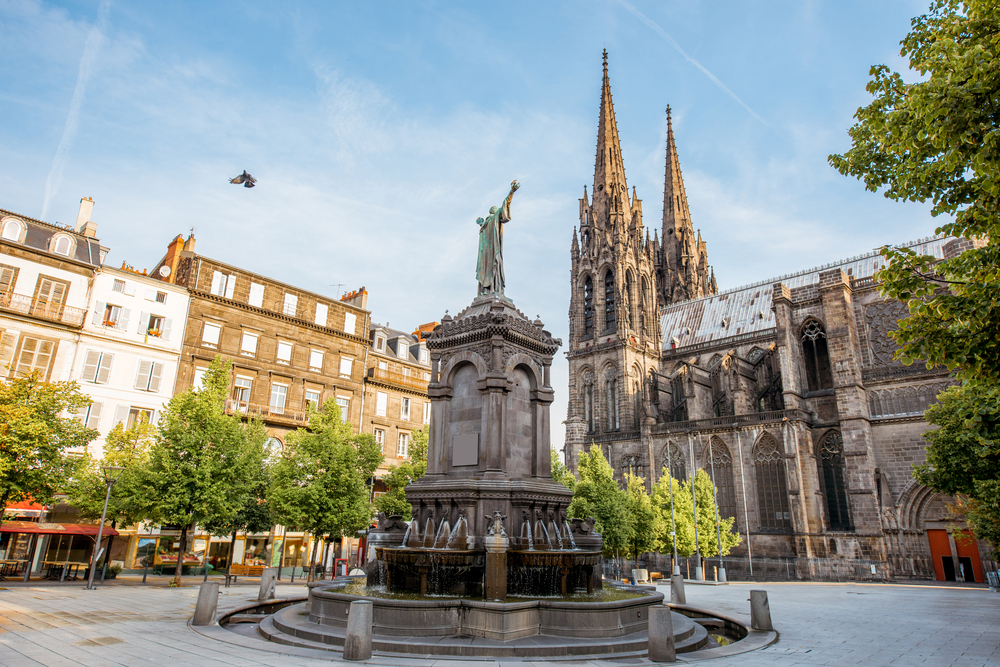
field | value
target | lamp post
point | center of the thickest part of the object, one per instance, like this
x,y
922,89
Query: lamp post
x,y
718,521
673,523
111,475
698,573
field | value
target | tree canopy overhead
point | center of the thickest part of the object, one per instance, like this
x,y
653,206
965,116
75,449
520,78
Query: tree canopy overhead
x,y
399,477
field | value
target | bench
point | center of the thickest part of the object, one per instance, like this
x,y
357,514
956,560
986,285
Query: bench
x,y
656,575
236,570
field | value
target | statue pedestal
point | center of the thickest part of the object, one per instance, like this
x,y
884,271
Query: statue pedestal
x,y
496,567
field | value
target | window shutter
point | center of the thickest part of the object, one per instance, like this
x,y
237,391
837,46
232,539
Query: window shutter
x,y
90,365
123,319
256,295
95,415
58,294
143,322
230,286
154,378
104,372
142,378
350,323
7,344
151,295
121,416
321,313
129,289
166,328
99,313
6,279
218,283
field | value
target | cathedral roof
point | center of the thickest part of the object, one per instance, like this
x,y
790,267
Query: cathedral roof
x,y
746,311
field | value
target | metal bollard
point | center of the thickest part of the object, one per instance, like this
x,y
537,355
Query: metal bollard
x,y
208,602
760,611
661,635
677,595
267,584
722,575
358,642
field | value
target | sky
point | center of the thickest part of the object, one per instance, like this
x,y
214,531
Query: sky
x,y
380,131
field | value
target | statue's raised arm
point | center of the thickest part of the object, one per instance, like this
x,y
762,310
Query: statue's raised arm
x,y
489,266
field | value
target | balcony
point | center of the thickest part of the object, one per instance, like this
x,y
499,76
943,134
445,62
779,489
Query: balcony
x,y
25,305
398,379
731,421
268,413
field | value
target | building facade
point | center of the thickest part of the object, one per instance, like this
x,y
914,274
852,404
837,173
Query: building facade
x,y
785,391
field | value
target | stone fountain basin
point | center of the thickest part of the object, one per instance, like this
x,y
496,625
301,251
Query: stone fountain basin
x,y
491,620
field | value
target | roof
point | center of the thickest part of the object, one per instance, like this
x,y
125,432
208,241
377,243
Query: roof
x,y
39,233
54,528
746,310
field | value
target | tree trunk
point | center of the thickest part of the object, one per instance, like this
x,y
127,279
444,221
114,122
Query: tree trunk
x,y
232,552
312,560
180,556
107,554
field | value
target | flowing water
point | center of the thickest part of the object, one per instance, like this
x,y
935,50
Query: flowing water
x,y
610,594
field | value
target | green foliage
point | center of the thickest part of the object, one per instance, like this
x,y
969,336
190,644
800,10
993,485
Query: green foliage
x,y
319,482
399,476
708,537
646,520
682,513
35,436
204,463
597,494
936,139
128,449
560,472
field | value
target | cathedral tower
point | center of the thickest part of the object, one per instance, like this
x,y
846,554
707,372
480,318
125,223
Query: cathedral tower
x,y
614,340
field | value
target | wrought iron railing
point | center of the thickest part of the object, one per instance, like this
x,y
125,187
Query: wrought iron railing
x,y
25,305
267,412
748,419
398,379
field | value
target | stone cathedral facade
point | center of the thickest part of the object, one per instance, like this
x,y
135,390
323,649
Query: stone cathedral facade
x,y
786,389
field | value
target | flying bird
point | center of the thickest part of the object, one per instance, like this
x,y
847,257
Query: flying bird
x,y
246,179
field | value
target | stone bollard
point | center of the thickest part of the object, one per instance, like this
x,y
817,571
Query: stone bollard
x,y
661,635
722,575
677,595
760,611
358,642
208,602
267,584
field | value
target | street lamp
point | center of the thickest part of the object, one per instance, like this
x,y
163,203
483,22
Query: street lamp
x,y
673,523
111,475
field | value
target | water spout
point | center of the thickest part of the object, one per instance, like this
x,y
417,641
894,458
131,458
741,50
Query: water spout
x,y
459,536
555,538
526,532
406,535
569,535
542,535
429,532
441,539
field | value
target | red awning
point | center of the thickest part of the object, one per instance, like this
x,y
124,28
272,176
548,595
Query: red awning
x,y
54,528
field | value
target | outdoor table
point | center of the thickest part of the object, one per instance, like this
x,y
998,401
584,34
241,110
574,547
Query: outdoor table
x,y
58,569
9,568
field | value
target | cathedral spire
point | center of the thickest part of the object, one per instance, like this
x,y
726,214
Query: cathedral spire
x,y
676,216
610,187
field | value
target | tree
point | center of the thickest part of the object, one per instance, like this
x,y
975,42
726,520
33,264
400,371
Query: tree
x,y
125,448
202,463
319,482
560,472
399,477
253,517
36,436
936,139
597,494
646,520
708,536
682,516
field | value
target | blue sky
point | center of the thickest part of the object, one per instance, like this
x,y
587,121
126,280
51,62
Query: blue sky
x,y
379,131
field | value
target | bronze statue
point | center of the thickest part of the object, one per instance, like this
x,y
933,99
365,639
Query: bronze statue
x,y
489,266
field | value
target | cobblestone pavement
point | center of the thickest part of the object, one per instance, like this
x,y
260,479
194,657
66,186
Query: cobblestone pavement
x,y
820,624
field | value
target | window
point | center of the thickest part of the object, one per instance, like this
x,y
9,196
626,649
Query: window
x,y
380,343
50,294
118,286
97,366
12,230
156,326
112,316
291,305
673,459
256,295
316,360
312,396
35,355
629,309
345,405
427,413
198,380
406,371
609,301
242,387
722,403
772,487
63,245
831,454
588,405
383,365
381,404
678,399
720,466
425,356
284,352
350,323
154,295
345,366
248,345
769,388
588,307
404,408
817,357
223,284
403,448
148,376
380,439
612,405
322,310
210,335
279,393
129,416
643,303
90,416
8,278
402,349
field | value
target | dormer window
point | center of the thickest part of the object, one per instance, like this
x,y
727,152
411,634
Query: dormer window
x,y
62,245
380,343
425,357
402,349
13,230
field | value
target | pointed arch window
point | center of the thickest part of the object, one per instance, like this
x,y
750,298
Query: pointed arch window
x,y
588,307
769,388
637,397
609,301
772,486
612,407
831,455
720,465
643,305
588,402
673,460
817,356
629,301
678,412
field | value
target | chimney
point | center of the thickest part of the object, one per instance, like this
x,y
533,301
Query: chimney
x,y
358,297
189,244
83,224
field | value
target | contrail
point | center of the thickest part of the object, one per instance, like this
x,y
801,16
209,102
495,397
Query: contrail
x,y
90,49
663,33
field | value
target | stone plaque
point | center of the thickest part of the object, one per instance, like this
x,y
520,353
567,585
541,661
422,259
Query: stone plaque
x,y
465,449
